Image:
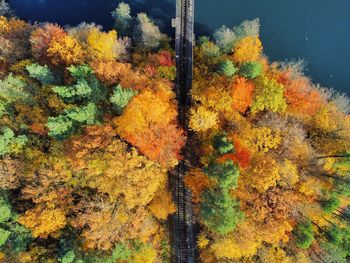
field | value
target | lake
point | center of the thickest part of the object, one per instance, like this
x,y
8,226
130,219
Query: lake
x,y
318,31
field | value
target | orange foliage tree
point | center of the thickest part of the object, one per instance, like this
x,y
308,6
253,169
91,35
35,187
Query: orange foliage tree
x,y
162,143
151,129
302,97
111,72
242,94
197,182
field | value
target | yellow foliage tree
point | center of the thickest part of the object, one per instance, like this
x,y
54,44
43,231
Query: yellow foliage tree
x,y
242,243
202,241
247,49
289,174
215,97
262,139
65,50
268,95
43,221
125,183
302,257
202,119
162,205
138,115
101,45
331,133
274,255
328,118
104,223
263,173
146,254
231,248
45,175
123,174
275,232
309,186
35,254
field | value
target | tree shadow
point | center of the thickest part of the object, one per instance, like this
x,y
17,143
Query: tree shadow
x,y
201,30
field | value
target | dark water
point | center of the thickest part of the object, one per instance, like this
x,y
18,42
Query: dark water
x,y
73,12
316,30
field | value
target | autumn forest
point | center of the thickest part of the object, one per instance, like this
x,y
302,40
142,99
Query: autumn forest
x,y
89,135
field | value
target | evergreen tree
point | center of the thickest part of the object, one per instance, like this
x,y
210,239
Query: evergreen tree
x,y
60,127
219,212
222,145
227,68
84,115
121,98
13,236
12,89
40,73
342,186
304,235
86,88
75,93
330,204
9,143
226,174
251,70
334,234
64,125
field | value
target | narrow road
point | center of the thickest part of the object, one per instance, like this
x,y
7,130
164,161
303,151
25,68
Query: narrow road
x,y
183,245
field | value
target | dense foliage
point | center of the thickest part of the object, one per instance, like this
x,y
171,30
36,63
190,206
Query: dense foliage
x,y
88,130
270,172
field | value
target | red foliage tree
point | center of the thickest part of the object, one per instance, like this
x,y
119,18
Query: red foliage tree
x,y
165,58
241,155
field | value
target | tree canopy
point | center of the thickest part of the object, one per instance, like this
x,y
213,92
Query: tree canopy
x,y
88,133
269,169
